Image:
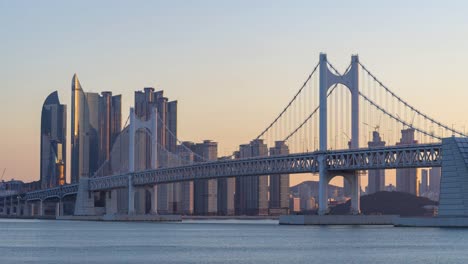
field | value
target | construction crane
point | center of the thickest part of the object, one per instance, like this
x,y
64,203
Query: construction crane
x,y
376,127
3,174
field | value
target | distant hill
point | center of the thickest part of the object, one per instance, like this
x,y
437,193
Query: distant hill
x,y
313,185
388,203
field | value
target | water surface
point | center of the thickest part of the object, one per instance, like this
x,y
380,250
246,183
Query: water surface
x,y
225,241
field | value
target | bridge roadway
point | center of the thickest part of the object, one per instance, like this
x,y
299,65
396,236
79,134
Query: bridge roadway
x,y
410,156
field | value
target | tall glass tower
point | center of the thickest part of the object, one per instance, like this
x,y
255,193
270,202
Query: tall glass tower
x,y
53,142
96,123
79,132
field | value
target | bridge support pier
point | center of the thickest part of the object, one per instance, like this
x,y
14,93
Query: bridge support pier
x,y
355,193
84,204
11,206
131,196
4,206
154,200
41,208
57,209
323,185
32,212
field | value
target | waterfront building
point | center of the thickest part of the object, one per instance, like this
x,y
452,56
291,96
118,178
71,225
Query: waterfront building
x,y
205,191
252,192
279,184
96,123
53,142
406,179
376,178
110,123
226,193
184,190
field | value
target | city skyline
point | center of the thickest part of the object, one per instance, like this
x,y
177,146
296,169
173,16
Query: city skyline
x,y
248,78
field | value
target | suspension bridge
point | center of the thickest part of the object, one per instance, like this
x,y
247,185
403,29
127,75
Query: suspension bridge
x,y
327,125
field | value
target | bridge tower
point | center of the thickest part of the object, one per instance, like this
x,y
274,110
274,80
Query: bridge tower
x,y
350,79
85,200
151,127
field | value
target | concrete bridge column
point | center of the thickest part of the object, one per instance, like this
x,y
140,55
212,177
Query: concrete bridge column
x,y
41,208
131,196
32,213
111,202
57,209
18,207
61,208
355,193
323,185
11,206
4,206
154,200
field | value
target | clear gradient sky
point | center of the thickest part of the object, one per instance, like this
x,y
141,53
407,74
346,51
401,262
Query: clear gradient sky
x,y
231,65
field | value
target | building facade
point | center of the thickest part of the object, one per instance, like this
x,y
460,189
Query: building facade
x,y
407,179
96,123
251,196
376,178
53,142
205,191
279,184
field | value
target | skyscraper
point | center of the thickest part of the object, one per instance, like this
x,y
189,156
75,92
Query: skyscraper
x,y
53,142
376,177
406,179
184,190
226,193
79,130
96,123
205,191
110,123
252,192
279,184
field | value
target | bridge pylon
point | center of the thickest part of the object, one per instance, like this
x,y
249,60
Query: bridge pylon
x,y
349,79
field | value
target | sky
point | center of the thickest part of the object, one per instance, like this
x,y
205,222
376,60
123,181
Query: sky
x,y
231,65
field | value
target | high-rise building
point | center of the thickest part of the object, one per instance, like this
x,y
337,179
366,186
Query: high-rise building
x,y
96,122
53,142
252,191
205,191
110,123
376,178
184,190
424,184
407,179
226,193
79,131
279,184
